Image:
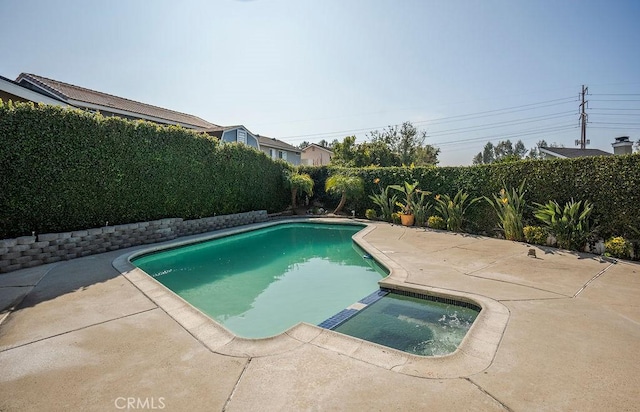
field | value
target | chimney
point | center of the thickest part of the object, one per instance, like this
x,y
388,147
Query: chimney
x,y
622,146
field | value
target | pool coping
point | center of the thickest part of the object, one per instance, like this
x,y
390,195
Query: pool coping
x,y
474,354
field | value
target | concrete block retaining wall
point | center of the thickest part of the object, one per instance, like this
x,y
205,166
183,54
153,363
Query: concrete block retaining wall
x,y
28,251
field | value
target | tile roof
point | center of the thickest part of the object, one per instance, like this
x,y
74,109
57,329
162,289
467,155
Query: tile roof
x,y
275,143
571,153
69,92
318,146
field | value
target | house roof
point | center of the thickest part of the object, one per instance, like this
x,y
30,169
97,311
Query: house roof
x,y
87,98
326,149
568,153
10,87
276,144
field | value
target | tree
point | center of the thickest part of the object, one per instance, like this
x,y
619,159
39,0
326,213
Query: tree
x,y
535,152
486,156
376,154
393,146
426,155
344,154
303,145
504,151
345,186
403,140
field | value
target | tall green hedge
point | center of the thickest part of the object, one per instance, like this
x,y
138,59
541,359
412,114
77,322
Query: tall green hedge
x,y
63,169
612,183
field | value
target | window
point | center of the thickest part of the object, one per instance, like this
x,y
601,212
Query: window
x,y
272,153
282,155
242,136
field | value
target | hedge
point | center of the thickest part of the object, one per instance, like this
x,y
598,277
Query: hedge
x,y
611,183
65,169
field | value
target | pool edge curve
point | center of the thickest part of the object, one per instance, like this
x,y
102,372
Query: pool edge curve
x,y
474,354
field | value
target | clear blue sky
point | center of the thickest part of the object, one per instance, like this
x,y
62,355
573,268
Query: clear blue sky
x,y
309,70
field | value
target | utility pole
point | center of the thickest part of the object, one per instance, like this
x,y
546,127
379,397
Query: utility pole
x,y
583,120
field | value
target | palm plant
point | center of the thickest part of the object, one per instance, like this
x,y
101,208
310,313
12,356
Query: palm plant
x,y
346,186
453,210
569,224
299,182
509,207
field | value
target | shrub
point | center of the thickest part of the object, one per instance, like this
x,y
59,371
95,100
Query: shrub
x,y
569,224
436,222
610,183
385,202
618,247
453,210
509,207
422,207
535,235
371,214
395,218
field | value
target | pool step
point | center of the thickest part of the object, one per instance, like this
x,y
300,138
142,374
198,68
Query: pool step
x,y
342,316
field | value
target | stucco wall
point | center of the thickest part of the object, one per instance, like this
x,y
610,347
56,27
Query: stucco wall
x,y
314,156
29,251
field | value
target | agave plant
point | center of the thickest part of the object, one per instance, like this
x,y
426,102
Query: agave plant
x,y
453,210
569,224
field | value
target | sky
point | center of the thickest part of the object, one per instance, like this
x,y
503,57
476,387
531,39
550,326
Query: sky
x,y
465,71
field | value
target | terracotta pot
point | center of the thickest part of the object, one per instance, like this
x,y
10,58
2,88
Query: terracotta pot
x,y
407,220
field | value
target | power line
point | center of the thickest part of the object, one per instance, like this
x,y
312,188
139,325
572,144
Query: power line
x,y
616,123
506,110
529,132
615,128
499,124
615,100
611,108
513,109
615,114
614,94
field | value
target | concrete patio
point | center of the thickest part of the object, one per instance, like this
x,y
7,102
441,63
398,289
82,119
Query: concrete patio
x,y
78,335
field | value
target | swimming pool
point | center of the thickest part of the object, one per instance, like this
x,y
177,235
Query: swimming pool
x,y
262,282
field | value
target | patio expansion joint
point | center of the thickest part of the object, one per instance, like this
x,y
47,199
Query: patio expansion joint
x,y
481,389
77,329
560,295
592,279
17,304
235,386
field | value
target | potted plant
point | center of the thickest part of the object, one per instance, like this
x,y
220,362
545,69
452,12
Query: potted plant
x,y
407,207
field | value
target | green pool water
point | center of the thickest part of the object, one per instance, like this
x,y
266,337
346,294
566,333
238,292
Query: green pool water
x,y
411,324
262,282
